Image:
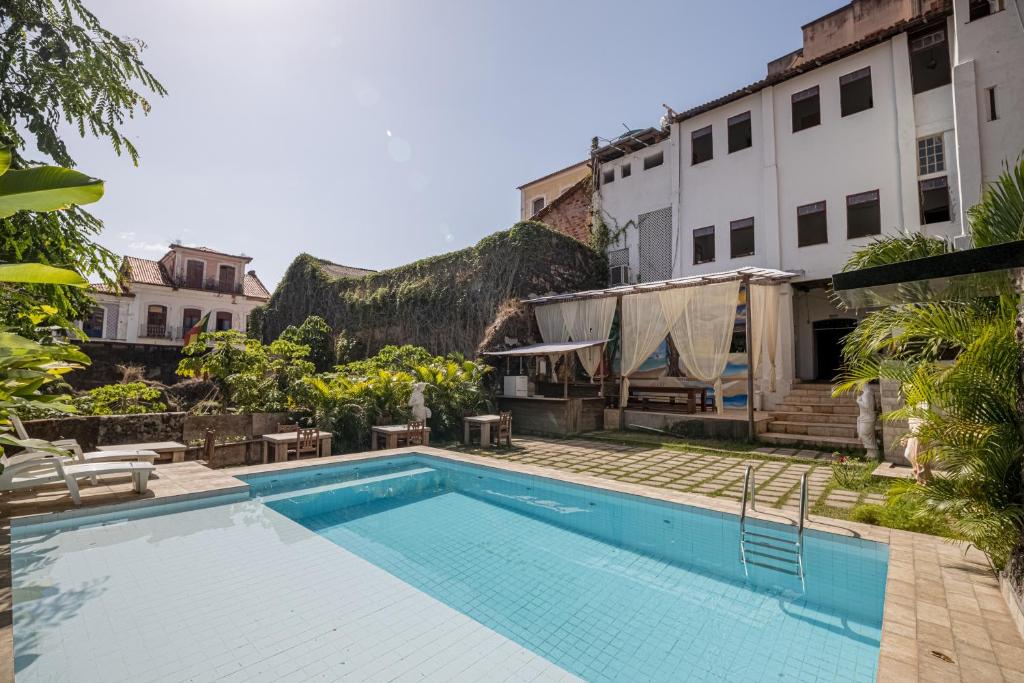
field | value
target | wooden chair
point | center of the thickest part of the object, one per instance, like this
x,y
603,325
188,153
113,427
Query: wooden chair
x,y
504,431
308,442
415,436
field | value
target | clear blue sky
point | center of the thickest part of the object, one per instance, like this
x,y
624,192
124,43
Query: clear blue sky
x,y
377,132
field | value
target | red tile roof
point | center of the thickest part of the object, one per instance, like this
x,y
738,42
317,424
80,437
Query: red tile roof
x,y
253,287
145,271
338,270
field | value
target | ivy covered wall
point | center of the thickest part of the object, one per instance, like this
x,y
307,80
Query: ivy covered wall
x,y
444,303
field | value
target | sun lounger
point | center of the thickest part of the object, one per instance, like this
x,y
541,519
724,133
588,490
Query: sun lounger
x,y
32,469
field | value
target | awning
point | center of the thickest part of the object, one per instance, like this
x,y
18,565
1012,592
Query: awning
x,y
957,276
758,276
547,349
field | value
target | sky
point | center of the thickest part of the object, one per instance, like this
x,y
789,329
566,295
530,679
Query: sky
x,y
377,132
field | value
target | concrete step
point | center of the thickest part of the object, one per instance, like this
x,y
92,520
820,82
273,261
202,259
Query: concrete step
x,y
826,442
799,416
812,428
793,406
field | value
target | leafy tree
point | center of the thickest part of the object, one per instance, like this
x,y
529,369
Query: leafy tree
x,y
251,376
394,358
315,333
131,398
959,365
58,65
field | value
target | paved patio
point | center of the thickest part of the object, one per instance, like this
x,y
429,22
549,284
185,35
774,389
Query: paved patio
x,y
715,475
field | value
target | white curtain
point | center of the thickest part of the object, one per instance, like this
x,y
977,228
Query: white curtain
x,y
551,322
764,332
643,327
701,322
587,320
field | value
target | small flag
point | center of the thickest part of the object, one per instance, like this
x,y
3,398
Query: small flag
x,y
197,328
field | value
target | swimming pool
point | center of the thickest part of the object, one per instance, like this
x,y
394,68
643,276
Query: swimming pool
x,y
601,585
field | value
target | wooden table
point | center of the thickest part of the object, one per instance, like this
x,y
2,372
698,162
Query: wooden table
x,y
175,450
392,433
285,438
484,422
690,391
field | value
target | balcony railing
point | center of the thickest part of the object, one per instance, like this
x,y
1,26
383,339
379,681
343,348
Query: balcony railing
x,y
209,284
168,332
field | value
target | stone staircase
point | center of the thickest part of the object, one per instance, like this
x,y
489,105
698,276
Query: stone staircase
x,y
810,418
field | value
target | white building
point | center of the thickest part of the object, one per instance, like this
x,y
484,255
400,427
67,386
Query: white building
x,y
160,301
892,117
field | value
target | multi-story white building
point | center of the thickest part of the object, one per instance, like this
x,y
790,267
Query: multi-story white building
x,y
160,301
892,117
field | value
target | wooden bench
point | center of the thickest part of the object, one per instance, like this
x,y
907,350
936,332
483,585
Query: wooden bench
x,y
668,395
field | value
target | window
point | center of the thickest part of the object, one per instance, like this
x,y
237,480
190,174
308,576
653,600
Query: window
x,y
934,196
655,230
806,109
929,60
653,161
811,225
701,147
608,176
625,170
223,321
740,136
863,215
194,274
93,325
855,92
536,206
741,238
190,318
156,321
930,155
990,94
704,245
978,9
226,278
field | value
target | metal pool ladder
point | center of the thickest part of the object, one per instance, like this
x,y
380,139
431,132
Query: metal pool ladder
x,y
770,551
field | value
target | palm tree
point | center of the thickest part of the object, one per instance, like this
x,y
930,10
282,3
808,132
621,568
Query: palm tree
x,y
959,364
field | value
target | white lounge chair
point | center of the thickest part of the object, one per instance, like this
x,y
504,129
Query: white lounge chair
x,y
90,456
32,469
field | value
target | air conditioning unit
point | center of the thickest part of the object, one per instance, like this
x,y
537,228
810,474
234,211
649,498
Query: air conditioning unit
x,y
618,275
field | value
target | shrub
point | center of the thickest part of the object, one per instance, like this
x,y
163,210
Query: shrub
x,y
315,334
133,398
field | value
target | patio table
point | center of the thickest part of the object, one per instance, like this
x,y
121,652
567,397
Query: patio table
x,y
392,433
484,422
284,438
172,449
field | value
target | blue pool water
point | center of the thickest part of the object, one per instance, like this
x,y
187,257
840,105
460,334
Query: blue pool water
x,y
604,585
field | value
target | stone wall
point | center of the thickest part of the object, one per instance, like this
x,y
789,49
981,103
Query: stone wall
x,y
102,430
892,431
571,213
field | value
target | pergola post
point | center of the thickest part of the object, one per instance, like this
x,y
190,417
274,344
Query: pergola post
x,y
748,333
565,385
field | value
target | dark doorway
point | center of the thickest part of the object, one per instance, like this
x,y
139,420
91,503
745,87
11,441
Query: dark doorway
x,y
828,346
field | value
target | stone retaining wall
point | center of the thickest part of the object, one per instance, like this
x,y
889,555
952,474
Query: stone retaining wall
x,y
102,430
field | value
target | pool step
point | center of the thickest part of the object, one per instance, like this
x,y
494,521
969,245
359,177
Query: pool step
x,y
760,550
352,483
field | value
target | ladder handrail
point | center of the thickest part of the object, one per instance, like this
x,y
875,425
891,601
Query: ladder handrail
x,y
803,507
748,480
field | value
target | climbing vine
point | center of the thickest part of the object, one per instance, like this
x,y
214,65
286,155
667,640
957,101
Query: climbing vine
x,y
443,303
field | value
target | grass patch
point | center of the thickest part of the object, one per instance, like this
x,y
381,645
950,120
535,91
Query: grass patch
x,y
900,513
726,447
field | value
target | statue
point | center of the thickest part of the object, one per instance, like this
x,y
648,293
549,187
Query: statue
x,y
922,469
866,421
420,411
